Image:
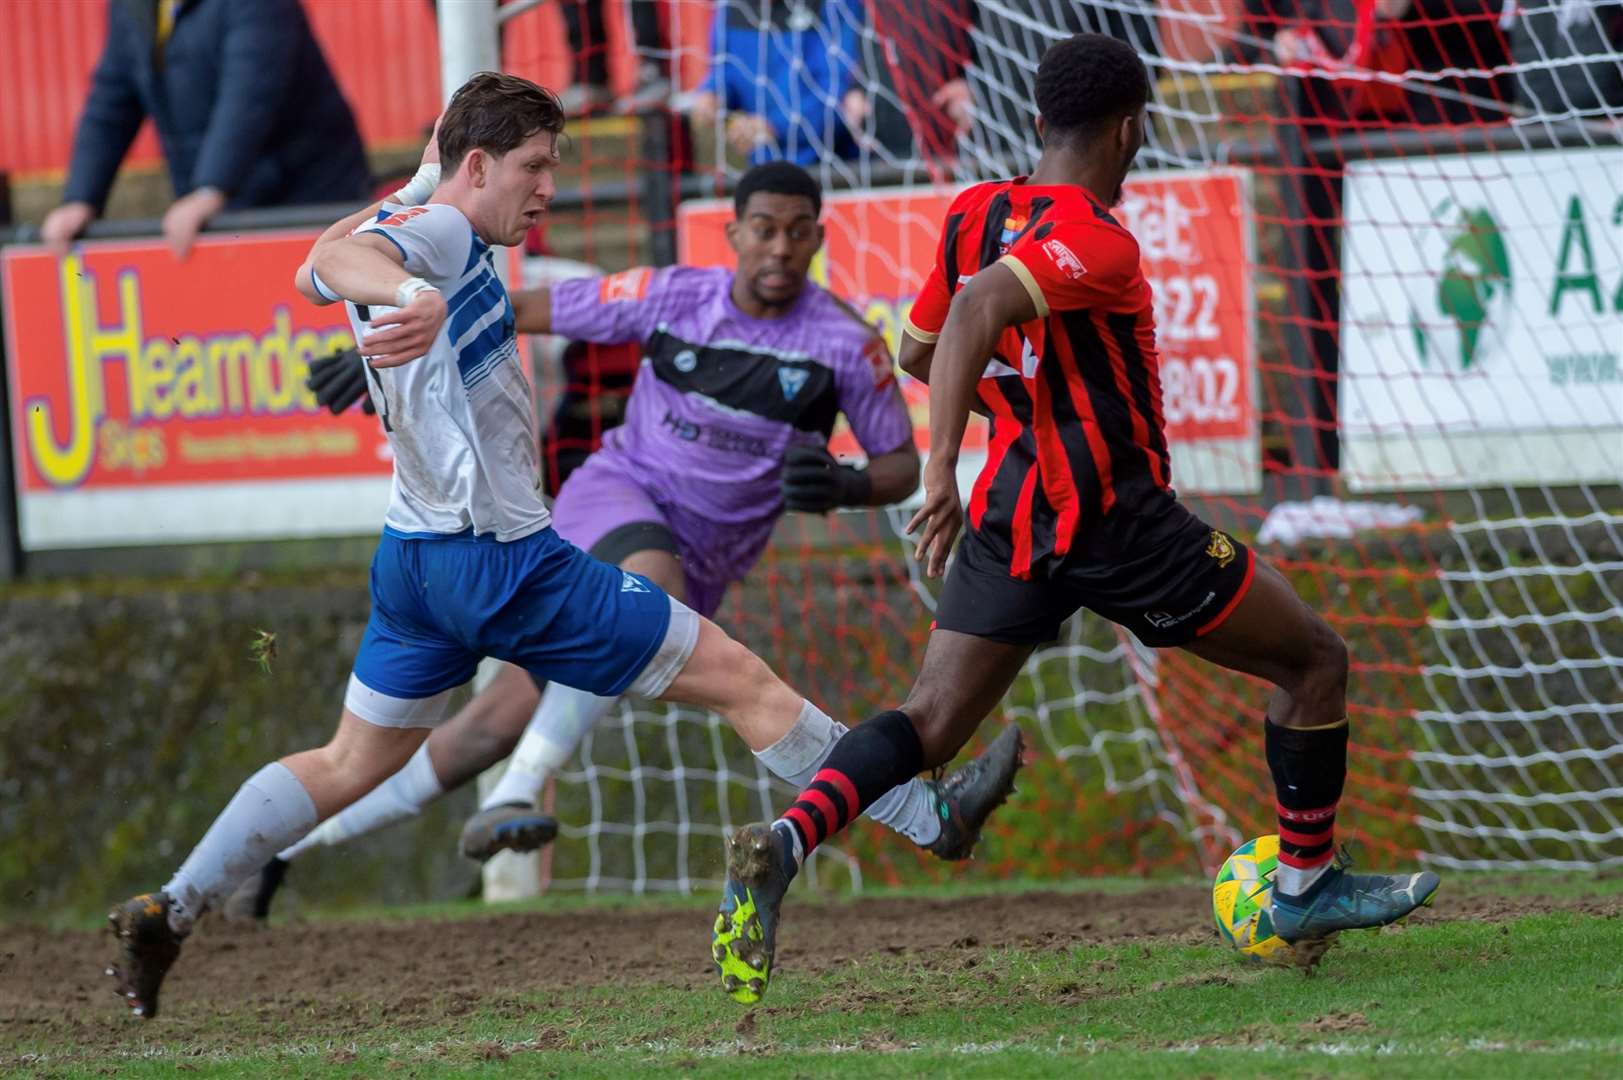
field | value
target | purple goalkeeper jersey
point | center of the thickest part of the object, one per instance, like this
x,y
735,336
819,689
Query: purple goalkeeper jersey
x,y
721,395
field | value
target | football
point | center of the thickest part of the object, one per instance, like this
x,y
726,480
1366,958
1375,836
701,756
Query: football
x,y
1242,898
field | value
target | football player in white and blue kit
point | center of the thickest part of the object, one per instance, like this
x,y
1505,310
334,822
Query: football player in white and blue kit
x,y
468,566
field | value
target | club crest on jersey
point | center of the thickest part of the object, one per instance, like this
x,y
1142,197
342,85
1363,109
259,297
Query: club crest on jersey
x,y
790,380
631,584
1064,259
1011,232
685,361
1221,548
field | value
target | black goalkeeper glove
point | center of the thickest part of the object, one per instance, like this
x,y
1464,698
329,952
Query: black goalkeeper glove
x,y
339,380
815,483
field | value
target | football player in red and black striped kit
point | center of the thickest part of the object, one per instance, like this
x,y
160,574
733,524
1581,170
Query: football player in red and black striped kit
x,y
1036,314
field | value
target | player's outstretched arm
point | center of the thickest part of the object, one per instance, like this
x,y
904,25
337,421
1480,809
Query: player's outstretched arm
x,y
532,311
893,476
994,299
815,482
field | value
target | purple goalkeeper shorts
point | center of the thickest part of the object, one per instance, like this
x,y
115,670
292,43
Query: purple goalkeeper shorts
x,y
604,510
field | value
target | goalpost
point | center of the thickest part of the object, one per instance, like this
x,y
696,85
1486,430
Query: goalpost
x,y
1391,301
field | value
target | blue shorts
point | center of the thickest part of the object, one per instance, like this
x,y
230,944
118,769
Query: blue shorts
x,y
441,604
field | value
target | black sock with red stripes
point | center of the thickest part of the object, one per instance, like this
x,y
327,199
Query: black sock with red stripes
x,y
1310,768
868,761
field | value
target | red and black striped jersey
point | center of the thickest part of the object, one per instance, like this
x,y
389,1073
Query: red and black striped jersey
x,y
1074,394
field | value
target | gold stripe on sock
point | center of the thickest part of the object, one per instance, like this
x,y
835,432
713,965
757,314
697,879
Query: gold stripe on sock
x,y
1321,727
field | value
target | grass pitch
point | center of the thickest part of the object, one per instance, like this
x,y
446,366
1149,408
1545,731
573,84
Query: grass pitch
x,y
1521,978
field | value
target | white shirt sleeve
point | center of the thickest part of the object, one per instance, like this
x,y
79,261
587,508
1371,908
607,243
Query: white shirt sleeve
x,y
434,239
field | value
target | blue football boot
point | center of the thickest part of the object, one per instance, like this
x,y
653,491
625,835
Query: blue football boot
x,y
1344,901
509,827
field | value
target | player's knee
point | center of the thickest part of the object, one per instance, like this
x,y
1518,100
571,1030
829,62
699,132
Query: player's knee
x,y
1323,671
499,714
360,765
748,680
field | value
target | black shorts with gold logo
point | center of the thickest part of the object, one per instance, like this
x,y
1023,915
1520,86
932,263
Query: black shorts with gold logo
x,y
1163,573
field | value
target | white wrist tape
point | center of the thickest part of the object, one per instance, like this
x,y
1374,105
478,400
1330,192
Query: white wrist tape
x,y
419,187
409,288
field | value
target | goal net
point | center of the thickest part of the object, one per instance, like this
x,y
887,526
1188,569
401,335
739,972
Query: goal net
x,y
1387,252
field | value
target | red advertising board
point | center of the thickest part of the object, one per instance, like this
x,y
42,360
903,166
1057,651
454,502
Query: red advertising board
x,y
1194,231
156,399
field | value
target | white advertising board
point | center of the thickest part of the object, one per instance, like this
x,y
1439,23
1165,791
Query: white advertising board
x,y
1482,320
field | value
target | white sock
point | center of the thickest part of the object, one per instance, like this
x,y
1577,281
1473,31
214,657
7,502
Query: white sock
x,y
560,722
909,809
401,796
269,811
1296,880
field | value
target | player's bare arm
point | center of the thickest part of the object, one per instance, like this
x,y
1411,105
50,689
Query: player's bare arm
x,y
532,311
992,301
416,191
304,278
894,476
369,269
915,357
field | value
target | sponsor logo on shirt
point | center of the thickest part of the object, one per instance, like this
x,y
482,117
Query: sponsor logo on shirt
x,y
685,361
631,584
626,285
717,438
1064,259
877,353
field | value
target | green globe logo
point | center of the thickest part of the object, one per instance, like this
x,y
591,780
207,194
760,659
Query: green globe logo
x,y
1473,287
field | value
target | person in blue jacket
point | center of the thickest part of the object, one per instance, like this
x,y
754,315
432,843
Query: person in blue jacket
x,y
247,113
780,70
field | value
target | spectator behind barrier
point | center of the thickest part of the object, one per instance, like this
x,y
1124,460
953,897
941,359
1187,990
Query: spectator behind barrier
x,y
1009,37
247,113
780,72
1394,36
588,41
914,99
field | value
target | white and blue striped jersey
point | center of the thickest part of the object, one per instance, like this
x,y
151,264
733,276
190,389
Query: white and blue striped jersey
x,y
460,419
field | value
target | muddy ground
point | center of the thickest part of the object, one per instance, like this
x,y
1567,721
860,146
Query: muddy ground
x,y
315,982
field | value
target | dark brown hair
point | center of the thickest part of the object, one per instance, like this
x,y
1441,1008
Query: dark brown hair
x,y
494,112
